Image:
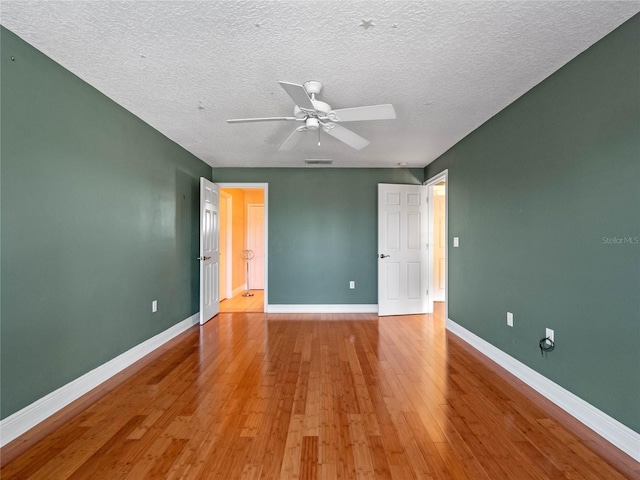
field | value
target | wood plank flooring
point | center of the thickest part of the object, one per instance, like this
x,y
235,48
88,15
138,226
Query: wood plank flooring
x,y
252,396
239,303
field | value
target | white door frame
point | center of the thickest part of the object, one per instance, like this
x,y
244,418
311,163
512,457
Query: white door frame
x,y
444,175
228,228
265,189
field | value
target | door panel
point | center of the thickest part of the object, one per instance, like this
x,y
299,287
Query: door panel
x,y
413,230
392,280
402,238
393,231
413,280
209,250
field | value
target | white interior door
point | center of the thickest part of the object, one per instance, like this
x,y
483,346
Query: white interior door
x,y
255,242
403,276
209,250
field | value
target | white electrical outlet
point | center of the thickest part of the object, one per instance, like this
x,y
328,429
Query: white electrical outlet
x,y
510,319
550,335
352,284
154,306
456,242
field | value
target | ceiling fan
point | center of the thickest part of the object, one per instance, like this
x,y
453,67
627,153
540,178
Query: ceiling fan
x,y
316,115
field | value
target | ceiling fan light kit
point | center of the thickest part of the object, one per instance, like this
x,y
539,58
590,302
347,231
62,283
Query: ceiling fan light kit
x,y
318,115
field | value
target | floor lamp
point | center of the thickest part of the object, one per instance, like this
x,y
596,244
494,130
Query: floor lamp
x,y
247,255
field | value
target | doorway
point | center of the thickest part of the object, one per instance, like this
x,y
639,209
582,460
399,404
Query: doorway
x,y
226,217
438,234
245,258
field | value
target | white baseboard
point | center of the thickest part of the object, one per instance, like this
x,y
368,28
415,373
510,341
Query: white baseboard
x,y
15,425
241,289
346,308
607,427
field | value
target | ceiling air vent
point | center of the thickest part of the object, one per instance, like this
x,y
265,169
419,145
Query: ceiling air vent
x,y
318,161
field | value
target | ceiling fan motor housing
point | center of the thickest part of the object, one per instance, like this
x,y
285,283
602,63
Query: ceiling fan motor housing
x,y
321,107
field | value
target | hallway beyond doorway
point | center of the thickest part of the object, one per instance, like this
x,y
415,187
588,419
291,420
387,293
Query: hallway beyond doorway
x,y
254,304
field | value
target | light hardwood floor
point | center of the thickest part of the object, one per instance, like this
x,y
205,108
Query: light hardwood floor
x,y
329,396
239,303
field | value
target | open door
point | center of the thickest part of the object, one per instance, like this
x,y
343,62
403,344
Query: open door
x,y
209,250
403,270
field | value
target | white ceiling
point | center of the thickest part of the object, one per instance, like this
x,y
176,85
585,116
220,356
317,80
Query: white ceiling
x,y
186,66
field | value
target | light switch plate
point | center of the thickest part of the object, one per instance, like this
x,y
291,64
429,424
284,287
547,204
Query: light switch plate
x,y
154,306
352,284
510,319
456,241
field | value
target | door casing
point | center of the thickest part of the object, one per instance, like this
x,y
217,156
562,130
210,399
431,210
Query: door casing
x,y
442,176
265,189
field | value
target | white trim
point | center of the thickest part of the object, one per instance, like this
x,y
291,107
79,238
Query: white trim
x,y
607,427
242,288
443,175
437,178
346,308
228,275
15,425
265,188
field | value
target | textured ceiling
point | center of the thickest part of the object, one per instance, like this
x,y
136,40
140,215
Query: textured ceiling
x,y
186,66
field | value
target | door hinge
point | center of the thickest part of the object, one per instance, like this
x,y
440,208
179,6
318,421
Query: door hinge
x,y
427,292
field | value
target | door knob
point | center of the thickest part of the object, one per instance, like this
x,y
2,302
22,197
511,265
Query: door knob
x,y
203,258
382,255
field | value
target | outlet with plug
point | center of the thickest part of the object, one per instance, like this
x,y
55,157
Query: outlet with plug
x,y
550,335
548,343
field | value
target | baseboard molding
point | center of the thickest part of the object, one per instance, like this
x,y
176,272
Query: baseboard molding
x,y
607,427
15,425
242,288
346,308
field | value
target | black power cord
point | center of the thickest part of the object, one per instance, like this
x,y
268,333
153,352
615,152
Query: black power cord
x,y
546,345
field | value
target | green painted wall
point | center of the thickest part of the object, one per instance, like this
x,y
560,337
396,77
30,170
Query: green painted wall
x,y
99,218
322,230
532,195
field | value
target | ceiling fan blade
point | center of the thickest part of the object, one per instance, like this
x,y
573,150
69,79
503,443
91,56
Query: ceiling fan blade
x,y
347,136
265,119
356,114
299,95
293,139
